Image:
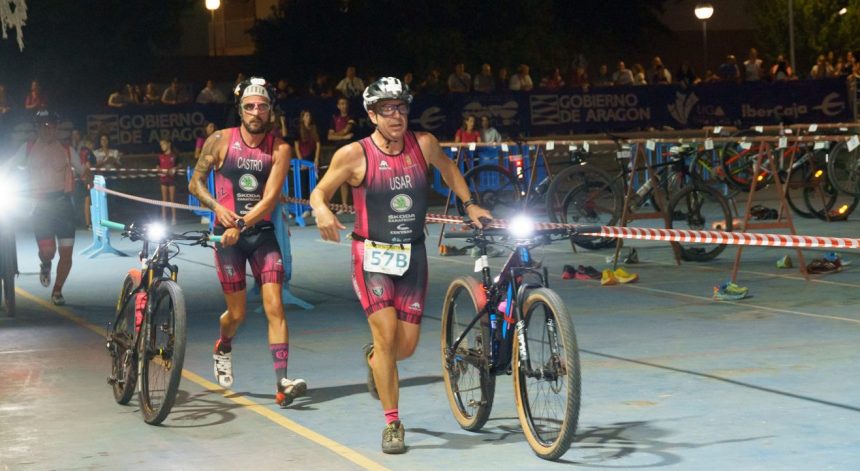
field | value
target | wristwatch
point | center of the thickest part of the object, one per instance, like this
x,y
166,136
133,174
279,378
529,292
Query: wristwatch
x,y
240,224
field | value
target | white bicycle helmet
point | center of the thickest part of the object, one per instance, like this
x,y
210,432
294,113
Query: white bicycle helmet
x,y
386,88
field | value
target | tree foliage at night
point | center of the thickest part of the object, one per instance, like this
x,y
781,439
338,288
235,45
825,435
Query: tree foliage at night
x,y
392,35
818,28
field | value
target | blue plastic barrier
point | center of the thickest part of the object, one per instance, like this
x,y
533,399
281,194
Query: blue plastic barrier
x,y
297,208
99,211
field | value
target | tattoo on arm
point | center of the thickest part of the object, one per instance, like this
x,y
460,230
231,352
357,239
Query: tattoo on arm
x,y
201,172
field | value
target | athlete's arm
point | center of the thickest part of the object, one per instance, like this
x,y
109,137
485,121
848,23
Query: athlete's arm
x,y
346,167
210,157
274,185
451,174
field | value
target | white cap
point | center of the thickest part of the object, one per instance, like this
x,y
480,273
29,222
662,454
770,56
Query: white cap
x,y
256,90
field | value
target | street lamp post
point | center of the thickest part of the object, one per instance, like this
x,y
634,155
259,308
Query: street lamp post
x,y
213,5
704,11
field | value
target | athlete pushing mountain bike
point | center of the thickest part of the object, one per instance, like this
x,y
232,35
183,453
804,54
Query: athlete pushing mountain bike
x,y
387,172
250,166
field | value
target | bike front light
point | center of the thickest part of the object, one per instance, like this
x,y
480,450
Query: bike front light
x,y
8,194
156,232
521,227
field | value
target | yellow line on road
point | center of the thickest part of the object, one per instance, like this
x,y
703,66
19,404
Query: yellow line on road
x,y
248,404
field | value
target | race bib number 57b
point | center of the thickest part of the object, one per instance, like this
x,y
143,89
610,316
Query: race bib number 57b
x,y
391,259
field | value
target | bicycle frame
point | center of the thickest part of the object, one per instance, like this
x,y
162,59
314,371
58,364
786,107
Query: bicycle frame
x,y
510,289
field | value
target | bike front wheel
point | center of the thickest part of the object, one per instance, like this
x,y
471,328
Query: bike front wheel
x,y
843,167
469,384
495,189
162,351
547,374
120,344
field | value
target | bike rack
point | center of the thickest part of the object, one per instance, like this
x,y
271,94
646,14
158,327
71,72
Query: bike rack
x,y
99,211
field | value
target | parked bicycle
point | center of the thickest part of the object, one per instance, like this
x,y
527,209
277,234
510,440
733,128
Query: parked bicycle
x,y
146,339
512,324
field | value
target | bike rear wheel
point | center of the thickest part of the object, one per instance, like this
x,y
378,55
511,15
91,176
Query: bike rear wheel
x,y
593,202
699,207
843,167
162,351
547,383
495,189
121,344
469,384
738,159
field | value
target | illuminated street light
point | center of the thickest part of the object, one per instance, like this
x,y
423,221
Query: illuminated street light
x,y
213,5
843,11
703,12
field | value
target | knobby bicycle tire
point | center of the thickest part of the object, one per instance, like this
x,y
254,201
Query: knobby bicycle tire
x,y
826,203
8,269
494,188
469,385
699,207
593,203
162,351
843,169
9,294
122,351
551,334
573,177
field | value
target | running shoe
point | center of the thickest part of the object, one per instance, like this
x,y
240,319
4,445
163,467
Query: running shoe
x,y
450,250
729,291
608,278
632,257
393,438
58,299
784,262
623,277
45,274
371,383
223,365
289,390
589,271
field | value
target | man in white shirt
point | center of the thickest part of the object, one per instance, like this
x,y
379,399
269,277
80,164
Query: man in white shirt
x,y
350,85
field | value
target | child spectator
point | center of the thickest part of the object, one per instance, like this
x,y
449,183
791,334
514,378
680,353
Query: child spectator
x,y
167,165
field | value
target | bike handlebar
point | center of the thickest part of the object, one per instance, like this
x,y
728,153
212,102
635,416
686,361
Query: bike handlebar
x,y
126,228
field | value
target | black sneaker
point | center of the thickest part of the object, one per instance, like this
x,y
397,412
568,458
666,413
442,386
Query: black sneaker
x,y
371,383
393,438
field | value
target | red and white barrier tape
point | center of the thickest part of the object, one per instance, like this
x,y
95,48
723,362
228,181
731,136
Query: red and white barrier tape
x,y
179,171
149,201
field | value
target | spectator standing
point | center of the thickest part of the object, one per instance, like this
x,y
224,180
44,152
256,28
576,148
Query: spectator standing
x,y
467,132
284,90
552,82
351,85
174,94
4,102
521,81
321,86
603,78
622,76
409,79
167,166
579,78
211,95
105,156
821,69
459,81
753,68
208,129
82,158
659,74
685,76
340,133
307,148
728,70
151,96
488,132
117,98
433,85
639,74
847,64
35,100
503,81
484,82
781,70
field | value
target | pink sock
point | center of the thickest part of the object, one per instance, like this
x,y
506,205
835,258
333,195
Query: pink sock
x,y
391,415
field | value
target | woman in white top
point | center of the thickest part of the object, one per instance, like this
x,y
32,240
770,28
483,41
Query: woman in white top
x,y
105,156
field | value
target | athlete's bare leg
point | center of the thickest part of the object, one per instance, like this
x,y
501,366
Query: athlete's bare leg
x,y
393,340
235,313
87,210
64,266
274,309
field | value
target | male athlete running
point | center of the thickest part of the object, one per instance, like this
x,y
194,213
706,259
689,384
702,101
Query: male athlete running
x,y
388,175
250,166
